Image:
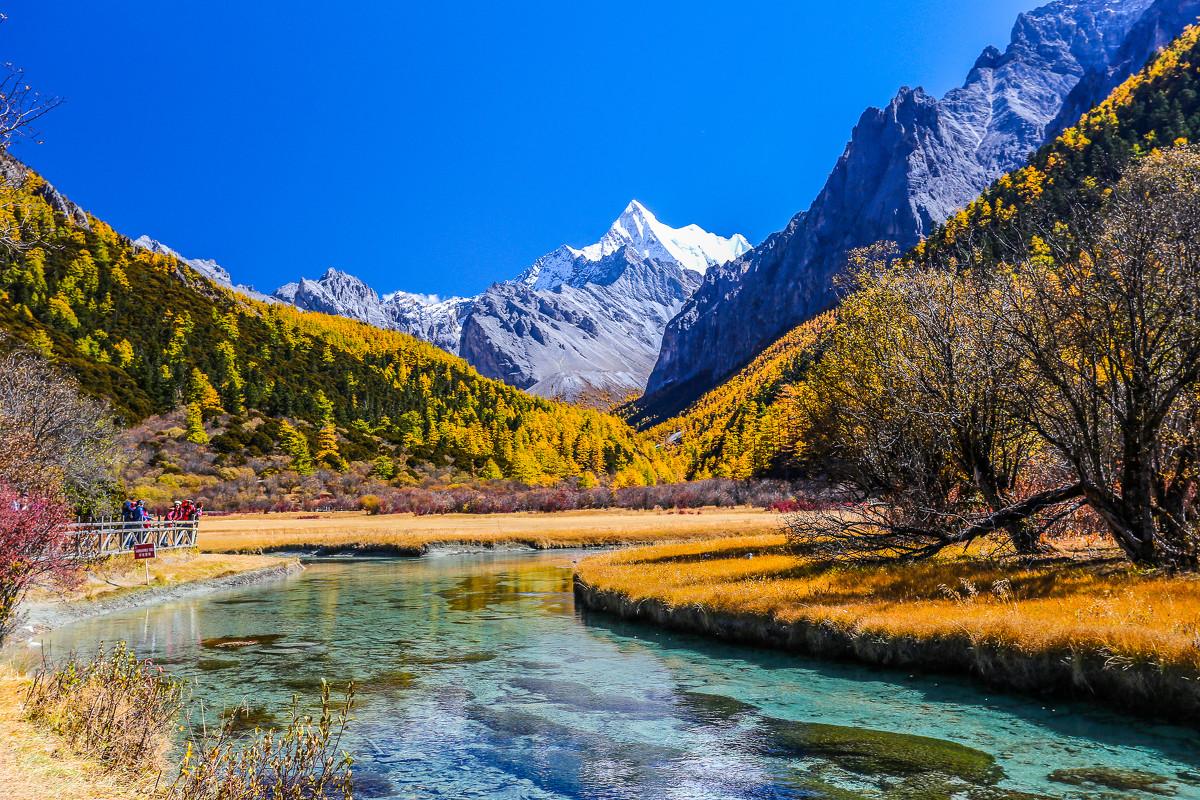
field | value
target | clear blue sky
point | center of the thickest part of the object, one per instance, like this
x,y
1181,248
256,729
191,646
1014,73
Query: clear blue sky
x,y
437,147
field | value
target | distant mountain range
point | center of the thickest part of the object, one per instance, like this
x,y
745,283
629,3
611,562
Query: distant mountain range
x,y
906,169
581,324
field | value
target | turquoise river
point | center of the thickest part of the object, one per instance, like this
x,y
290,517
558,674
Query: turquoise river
x,y
479,678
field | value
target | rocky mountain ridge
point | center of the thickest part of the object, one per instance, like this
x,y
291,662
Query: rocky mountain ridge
x,y
907,167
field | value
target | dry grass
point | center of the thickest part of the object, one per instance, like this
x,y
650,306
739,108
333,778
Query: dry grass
x,y
123,575
35,764
1081,603
258,532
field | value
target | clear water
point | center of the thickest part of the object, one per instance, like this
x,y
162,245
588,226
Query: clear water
x,y
479,678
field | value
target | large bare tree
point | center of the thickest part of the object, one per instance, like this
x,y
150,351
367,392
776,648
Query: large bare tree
x,y
54,441
928,416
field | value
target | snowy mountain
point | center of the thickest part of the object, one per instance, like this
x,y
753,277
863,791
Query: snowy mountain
x,y
907,167
424,316
578,323
594,335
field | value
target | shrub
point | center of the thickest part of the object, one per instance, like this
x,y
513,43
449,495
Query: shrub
x,y
35,547
114,707
371,504
302,761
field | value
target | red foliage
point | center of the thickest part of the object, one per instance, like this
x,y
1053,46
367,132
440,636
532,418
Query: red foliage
x,y
35,549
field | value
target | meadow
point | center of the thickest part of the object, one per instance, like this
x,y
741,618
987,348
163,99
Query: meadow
x,y
1085,601
411,534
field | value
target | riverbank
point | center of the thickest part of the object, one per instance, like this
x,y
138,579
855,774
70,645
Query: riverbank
x,y
352,533
121,584
1089,628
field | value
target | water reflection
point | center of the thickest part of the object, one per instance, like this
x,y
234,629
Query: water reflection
x,y
479,679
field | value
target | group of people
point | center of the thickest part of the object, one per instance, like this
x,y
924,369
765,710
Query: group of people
x,y
134,510
21,502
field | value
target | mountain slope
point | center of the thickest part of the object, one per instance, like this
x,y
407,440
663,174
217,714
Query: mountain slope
x,y
578,324
906,169
425,316
149,333
746,426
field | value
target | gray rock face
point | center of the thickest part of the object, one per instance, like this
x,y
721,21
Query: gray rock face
x,y
906,169
596,334
1157,27
424,316
577,324
13,173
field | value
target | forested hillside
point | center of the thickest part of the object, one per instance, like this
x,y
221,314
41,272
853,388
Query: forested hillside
x,y
150,335
747,427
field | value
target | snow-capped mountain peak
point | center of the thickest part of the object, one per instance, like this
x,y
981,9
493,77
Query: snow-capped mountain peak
x,y
691,247
578,323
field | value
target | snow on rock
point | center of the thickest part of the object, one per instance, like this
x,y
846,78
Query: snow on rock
x,y
206,267
691,247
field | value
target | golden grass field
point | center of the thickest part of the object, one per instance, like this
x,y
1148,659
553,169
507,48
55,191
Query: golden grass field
x,y
607,527
36,764
1095,604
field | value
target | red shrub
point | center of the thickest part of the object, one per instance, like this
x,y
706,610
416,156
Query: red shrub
x,y
35,548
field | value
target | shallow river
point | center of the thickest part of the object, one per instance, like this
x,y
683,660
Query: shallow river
x,y
479,678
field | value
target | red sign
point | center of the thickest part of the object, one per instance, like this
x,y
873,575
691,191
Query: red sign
x,y
141,551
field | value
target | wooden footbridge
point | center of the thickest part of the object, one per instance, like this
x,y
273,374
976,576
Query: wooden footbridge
x,y
103,539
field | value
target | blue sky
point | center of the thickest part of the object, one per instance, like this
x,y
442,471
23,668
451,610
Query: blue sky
x,y
437,147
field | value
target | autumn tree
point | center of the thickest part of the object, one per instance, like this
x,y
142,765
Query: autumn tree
x,y
919,406
293,442
35,549
1107,318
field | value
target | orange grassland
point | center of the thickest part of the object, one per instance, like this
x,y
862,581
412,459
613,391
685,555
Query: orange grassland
x,y
1084,601
597,528
37,764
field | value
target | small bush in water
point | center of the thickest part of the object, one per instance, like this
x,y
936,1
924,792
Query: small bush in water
x,y
301,761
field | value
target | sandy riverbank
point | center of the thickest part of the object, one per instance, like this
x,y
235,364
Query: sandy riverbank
x,y
1097,630
348,533
122,586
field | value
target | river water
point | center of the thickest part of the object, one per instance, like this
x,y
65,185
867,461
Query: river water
x,y
478,677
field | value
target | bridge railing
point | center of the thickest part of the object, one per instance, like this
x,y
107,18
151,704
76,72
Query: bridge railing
x,y
100,539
